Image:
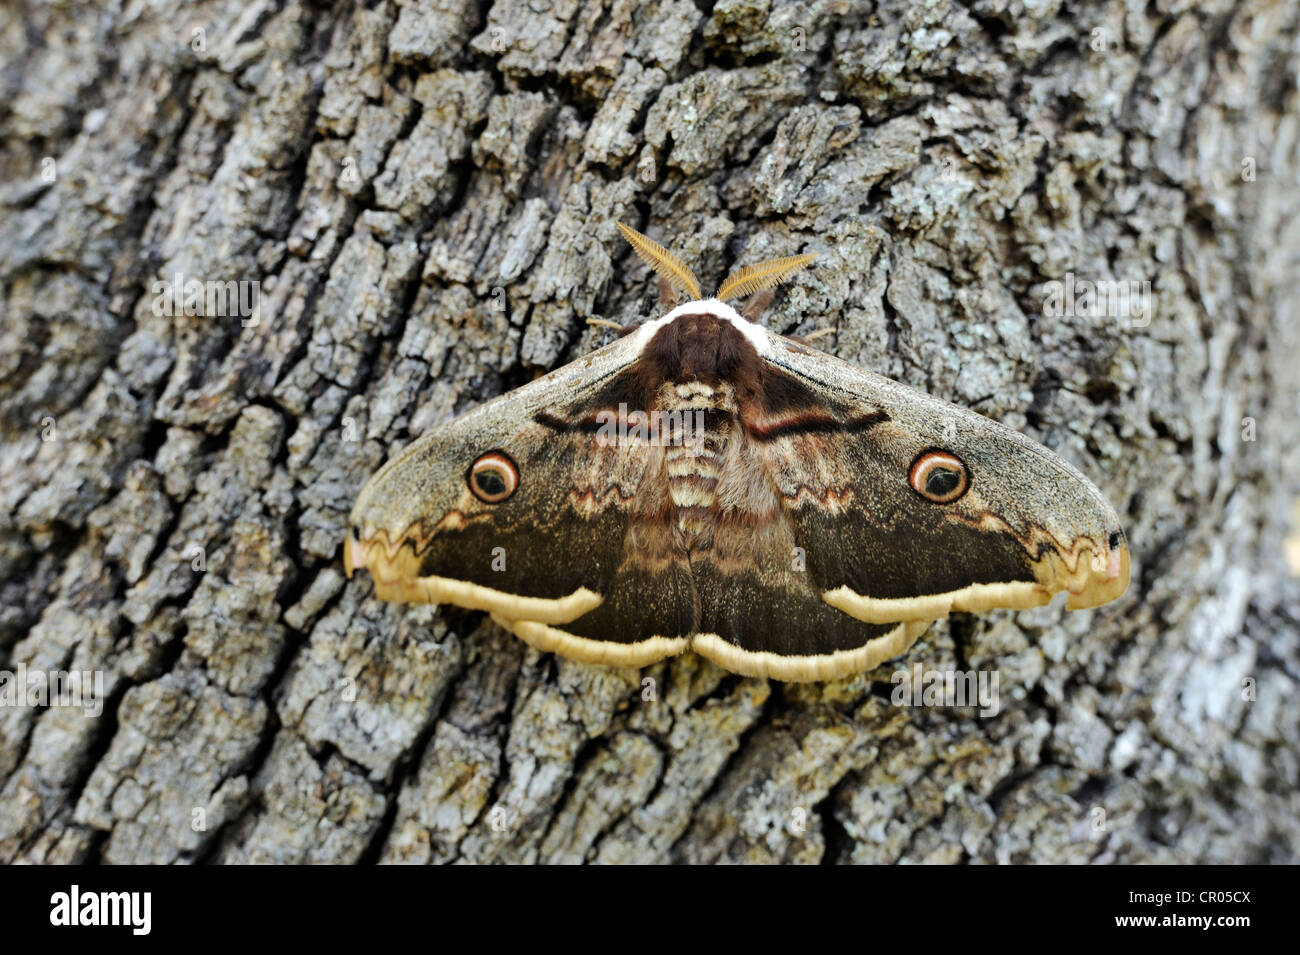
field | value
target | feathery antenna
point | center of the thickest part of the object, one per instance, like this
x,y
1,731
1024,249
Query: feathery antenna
x,y
763,275
673,269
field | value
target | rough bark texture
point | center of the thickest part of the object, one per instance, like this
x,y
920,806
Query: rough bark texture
x,y
427,193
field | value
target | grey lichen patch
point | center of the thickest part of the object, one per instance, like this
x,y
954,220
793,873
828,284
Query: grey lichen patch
x,y
924,778
421,174
746,29
324,587
447,796
715,116
555,719
43,747
610,139
618,778
805,141
133,521
515,124
699,740
432,32
172,776
55,339
66,466
233,615
308,811
908,51
354,67
367,687
222,492
767,811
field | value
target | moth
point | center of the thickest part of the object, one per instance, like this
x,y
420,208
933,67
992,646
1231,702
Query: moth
x,y
704,484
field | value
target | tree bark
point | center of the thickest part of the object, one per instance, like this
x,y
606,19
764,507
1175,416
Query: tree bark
x,y
427,194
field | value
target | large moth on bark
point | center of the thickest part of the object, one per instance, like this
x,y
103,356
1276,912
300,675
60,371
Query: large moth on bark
x,y
705,484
